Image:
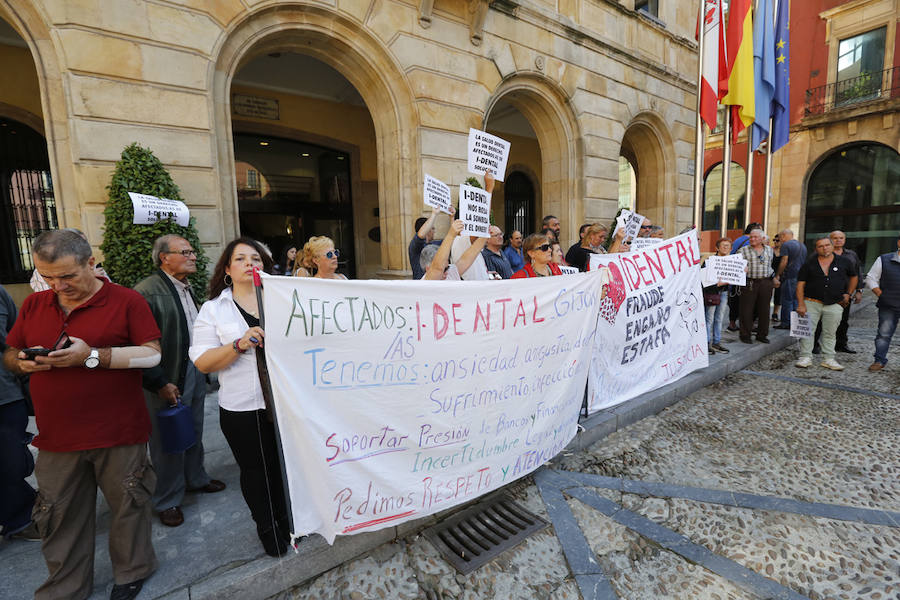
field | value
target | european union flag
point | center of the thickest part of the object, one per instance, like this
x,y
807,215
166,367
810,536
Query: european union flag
x,y
781,103
763,71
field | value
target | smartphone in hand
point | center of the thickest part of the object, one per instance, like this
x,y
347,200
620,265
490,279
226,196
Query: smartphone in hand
x,y
61,342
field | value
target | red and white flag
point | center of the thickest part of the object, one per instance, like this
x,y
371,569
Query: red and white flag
x,y
714,78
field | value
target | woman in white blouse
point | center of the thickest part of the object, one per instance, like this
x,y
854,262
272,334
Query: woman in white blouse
x,y
228,339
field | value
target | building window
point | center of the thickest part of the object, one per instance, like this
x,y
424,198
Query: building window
x,y
252,179
27,204
651,7
854,189
627,183
712,198
859,68
518,203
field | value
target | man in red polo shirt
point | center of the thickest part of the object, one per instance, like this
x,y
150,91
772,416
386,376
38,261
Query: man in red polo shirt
x,y
92,419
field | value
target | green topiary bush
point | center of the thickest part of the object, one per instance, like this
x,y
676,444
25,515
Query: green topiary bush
x,y
127,247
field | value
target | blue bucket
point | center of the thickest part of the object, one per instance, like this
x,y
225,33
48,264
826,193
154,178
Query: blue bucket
x,y
176,428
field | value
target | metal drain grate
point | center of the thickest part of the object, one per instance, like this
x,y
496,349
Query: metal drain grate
x,y
477,535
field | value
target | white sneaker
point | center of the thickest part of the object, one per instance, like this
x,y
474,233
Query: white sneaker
x,y
832,364
803,363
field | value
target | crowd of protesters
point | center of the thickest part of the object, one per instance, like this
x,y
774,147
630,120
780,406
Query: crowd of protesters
x,y
81,337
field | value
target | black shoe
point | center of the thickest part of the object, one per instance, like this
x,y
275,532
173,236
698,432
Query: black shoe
x,y
746,340
710,350
733,328
788,327
845,350
817,350
126,591
764,340
274,542
721,348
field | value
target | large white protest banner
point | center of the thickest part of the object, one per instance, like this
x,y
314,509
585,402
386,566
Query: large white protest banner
x,y
651,330
396,400
150,209
727,269
475,210
487,154
437,195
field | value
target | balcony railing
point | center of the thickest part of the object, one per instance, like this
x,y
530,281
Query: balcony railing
x,y
867,87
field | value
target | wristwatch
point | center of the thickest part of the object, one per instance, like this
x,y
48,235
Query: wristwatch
x,y
93,359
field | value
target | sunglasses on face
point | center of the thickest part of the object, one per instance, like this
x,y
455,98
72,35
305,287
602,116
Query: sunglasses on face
x,y
543,247
332,254
646,226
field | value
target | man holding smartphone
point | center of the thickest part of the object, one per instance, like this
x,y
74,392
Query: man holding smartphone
x,y
91,416
172,303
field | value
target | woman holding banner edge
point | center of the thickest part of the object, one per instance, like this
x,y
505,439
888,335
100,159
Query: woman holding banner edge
x,y
227,339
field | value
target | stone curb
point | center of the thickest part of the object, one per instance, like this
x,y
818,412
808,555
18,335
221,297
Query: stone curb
x,y
263,578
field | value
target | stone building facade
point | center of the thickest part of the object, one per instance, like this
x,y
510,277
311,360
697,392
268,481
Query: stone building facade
x,y
372,94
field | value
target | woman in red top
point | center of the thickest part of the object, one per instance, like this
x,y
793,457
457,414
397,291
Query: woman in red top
x,y
538,250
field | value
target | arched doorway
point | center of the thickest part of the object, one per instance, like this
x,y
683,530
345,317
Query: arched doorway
x,y
385,193
518,203
27,200
292,181
533,113
648,148
712,198
854,188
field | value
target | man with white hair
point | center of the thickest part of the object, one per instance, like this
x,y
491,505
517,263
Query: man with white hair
x,y
756,295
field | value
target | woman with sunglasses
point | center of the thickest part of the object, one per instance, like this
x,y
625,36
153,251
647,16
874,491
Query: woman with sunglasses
x,y
538,250
320,256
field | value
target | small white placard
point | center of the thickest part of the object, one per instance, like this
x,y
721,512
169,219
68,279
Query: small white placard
x,y
640,243
567,270
487,154
475,210
800,327
150,209
633,226
727,269
437,195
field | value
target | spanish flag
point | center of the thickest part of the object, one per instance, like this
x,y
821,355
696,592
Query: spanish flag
x,y
740,94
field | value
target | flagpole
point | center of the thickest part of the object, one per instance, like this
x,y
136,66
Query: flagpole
x,y
726,173
698,138
748,185
765,214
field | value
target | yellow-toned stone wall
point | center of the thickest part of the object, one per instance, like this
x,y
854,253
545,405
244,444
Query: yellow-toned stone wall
x,y
159,73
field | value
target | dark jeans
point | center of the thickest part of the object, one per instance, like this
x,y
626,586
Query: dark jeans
x,y
16,463
251,437
755,298
887,324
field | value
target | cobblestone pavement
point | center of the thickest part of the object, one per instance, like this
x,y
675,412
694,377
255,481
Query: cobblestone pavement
x,y
776,482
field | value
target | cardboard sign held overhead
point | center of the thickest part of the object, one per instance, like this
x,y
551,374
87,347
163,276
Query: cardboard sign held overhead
x,y
633,225
638,244
474,210
487,154
437,195
150,209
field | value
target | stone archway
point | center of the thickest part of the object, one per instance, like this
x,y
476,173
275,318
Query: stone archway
x,y
647,145
350,49
28,23
546,107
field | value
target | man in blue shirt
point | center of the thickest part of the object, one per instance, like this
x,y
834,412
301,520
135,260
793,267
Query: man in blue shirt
x,y
513,252
494,259
793,255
